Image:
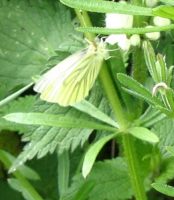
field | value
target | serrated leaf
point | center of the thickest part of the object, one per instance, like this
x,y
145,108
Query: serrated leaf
x,y
164,189
31,41
106,175
143,134
91,110
43,140
164,11
92,153
107,7
62,121
170,149
164,130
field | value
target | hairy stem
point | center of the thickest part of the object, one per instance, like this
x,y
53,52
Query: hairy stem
x,y
109,88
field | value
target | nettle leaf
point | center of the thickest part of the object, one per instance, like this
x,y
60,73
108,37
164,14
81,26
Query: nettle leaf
x,y
164,11
164,189
92,153
43,140
164,130
111,180
170,149
30,32
143,134
23,104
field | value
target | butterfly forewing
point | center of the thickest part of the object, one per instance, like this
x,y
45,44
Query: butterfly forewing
x,y
70,81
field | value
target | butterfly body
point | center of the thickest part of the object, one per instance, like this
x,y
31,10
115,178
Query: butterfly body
x,y
70,80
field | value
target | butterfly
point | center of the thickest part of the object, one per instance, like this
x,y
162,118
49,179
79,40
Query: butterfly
x,y
70,81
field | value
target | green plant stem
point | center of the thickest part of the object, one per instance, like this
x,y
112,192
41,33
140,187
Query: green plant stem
x,y
133,166
111,93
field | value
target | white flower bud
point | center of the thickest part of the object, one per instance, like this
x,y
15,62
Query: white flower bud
x,y
160,21
135,40
151,3
120,39
124,44
153,35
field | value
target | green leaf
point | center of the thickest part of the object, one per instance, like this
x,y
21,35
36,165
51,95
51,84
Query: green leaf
x,y
7,161
43,140
166,170
25,171
111,180
137,89
15,95
31,41
107,7
164,130
143,134
164,189
16,185
164,11
91,110
170,2
128,31
170,149
150,117
92,153
23,104
43,119
84,191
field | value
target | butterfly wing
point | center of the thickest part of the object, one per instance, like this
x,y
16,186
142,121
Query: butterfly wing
x,y
52,80
70,81
78,84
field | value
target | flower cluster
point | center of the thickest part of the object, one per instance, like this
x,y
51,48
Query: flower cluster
x,y
118,21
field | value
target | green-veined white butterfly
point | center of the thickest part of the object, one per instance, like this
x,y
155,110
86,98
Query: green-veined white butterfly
x,y
70,80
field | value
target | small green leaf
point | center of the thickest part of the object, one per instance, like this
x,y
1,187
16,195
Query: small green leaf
x,y
17,185
137,89
55,121
7,159
92,153
164,11
143,134
107,6
164,189
91,110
